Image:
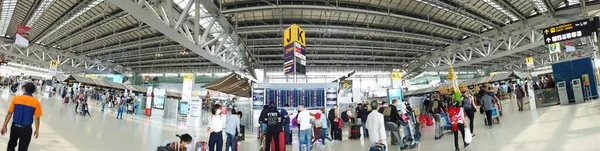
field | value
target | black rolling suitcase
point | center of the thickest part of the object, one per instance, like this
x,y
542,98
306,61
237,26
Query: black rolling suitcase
x,y
355,132
243,132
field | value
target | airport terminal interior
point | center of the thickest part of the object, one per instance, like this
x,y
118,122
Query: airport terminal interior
x,y
323,75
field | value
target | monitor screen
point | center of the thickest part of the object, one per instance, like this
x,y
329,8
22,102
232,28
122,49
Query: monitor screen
x,y
575,82
561,84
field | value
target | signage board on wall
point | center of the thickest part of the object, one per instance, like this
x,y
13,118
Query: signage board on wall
x,y
568,31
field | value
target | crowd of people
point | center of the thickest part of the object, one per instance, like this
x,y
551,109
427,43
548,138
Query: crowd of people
x,y
106,98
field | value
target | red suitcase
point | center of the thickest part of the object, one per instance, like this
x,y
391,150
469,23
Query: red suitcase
x,y
281,142
66,100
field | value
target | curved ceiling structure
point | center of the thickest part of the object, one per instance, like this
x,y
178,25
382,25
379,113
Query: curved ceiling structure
x,y
240,35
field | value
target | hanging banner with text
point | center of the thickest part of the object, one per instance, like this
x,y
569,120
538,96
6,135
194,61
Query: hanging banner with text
x,y
53,67
529,62
188,83
22,36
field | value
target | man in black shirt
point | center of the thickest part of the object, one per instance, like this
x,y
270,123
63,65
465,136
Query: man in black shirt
x,y
363,113
273,121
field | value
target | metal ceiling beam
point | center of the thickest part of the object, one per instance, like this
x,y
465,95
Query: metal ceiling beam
x,y
91,42
128,45
312,56
354,10
173,65
42,55
146,15
341,48
492,57
134,53
212,8
160,60
333,28
317,41
62,19
84,27
523,26
309,62
463,12
512,9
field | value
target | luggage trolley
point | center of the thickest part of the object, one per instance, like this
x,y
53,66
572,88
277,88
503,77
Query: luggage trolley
x,y
495,115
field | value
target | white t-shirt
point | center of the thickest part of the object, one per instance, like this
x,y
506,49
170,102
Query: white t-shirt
x,y
304,120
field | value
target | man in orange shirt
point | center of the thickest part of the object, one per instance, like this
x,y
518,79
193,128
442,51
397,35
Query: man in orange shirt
x,y
23,109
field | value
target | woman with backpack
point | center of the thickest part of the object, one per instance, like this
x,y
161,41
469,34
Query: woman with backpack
x,y
470,109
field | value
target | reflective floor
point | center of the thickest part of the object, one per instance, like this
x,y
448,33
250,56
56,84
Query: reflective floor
x,y
555,128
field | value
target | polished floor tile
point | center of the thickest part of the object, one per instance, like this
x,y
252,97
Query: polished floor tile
x,y
554,128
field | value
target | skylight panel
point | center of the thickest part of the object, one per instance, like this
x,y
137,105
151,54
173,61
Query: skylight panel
x,y
87,8
8,7
497,7
453,12
572,2
43,7
541,7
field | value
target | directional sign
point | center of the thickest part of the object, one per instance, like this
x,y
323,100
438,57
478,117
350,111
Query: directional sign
x,y
294,34
53,67
53,63
396,75
568,31
554,48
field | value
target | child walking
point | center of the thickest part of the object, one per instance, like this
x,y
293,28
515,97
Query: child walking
x,y
86,109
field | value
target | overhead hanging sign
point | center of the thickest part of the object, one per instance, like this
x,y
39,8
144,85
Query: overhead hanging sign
x,y
396,75
294,50
529,62
22,36
554,48
568,31
294,34
53,67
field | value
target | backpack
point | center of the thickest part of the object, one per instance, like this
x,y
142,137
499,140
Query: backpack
x,y
331,115
386,113
345,117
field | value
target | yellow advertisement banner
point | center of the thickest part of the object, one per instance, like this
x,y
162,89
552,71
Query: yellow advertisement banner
x,y
396,75
188,76
294,34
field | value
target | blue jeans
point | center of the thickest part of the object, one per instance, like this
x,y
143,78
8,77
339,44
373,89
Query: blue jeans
x,y
103,106
365,131
215,141
324,135
405,125
288,135
263,128
120,113
304,138
231,142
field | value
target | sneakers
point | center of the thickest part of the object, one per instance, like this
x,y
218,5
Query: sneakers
x,y
466,145
490,126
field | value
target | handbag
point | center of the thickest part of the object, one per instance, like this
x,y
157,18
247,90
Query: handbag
x,y
468,136
318,125
404,117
